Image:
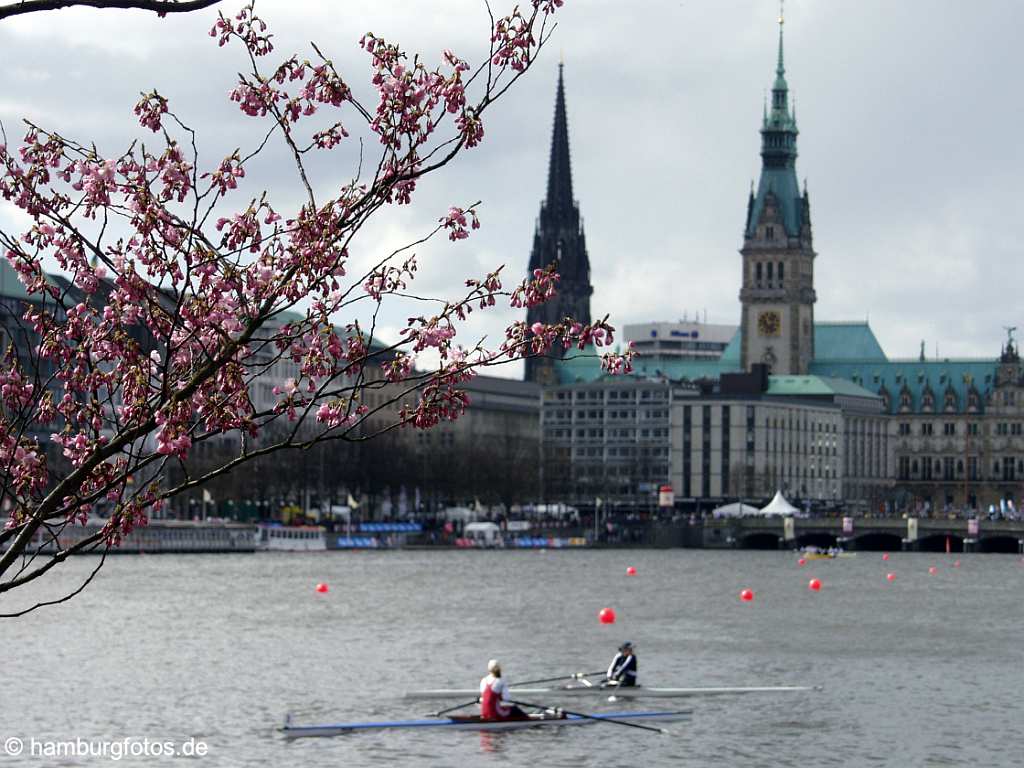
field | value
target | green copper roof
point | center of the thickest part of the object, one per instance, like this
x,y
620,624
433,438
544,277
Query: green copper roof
x,y
815,386
732,353
846,341
584,369
778,154
918,376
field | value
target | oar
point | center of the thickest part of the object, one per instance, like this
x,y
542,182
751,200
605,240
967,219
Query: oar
x,y
457,706
573,676
594,717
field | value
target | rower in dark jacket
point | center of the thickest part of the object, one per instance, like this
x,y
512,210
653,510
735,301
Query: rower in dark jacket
x,y
622,670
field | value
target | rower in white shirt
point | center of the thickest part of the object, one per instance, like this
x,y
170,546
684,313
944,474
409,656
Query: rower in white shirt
x,y
622,671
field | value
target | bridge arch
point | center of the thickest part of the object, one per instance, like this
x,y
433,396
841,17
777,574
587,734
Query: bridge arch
x,y
760,540
820,539
878,542
937,543
1005,543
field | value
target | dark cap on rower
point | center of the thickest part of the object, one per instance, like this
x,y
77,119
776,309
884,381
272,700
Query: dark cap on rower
x,y
626,645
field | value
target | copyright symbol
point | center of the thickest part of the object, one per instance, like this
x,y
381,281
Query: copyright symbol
x,y
13,746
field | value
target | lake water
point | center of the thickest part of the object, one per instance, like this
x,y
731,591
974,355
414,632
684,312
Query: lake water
x,y
927,670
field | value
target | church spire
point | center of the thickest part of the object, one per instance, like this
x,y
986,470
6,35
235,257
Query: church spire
x,y
559,170
559,239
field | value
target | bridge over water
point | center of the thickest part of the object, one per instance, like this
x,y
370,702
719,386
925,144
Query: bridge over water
x,y
866,534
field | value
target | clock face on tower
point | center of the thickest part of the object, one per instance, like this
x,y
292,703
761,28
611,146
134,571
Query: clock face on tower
x,y
769,323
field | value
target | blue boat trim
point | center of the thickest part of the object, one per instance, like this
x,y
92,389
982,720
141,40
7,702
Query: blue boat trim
x,y
445,722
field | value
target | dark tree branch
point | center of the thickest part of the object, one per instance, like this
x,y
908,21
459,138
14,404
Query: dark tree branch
x,y
157,6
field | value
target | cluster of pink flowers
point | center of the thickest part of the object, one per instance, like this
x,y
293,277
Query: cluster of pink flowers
x,y
340,413
151,108
542,287
227,174
399,368
390,278
248,27
456,222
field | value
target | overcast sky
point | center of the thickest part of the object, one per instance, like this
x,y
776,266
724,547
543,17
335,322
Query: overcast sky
x,y
910,124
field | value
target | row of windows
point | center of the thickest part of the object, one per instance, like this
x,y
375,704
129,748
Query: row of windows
x,y
766,270
614,394
601,414
952,468
949,428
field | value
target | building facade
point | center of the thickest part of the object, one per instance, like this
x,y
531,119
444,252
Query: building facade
x,y
822,442
956,450
679,341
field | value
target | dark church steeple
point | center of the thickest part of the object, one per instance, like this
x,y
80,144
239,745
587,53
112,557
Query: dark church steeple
x,y
559,239
778,255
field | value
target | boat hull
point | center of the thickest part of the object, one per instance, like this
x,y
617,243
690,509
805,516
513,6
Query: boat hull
x,y
631,692
474,723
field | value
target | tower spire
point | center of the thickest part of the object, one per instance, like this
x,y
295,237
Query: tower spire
x,y
780,69
778,310
559,240
559,197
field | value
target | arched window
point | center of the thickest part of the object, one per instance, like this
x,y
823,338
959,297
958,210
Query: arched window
x,y
758,272
770,268
782,271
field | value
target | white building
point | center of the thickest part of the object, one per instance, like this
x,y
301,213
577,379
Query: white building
x,y
680,341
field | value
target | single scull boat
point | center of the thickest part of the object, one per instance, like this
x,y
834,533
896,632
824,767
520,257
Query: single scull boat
x,y
621,692
475,723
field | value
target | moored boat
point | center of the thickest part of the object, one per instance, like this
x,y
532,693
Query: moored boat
x,y
291,538
476,723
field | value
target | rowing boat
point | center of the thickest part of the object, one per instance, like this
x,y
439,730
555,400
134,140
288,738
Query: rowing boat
x,y
621,692
476,723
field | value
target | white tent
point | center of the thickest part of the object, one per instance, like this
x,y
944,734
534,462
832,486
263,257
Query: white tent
x,y
779,506
737,509
459,513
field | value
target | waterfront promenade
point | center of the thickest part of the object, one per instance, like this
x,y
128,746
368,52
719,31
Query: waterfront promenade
x,y
623,531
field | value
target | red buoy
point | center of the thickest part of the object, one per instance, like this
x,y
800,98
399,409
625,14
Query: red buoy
x,y
606,616
814,585
956,564
802,561
321,588
885,556
631,571
891,576
747,595
933,570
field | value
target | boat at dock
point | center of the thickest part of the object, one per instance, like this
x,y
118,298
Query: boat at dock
x,y
291,538
156,537
476,723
